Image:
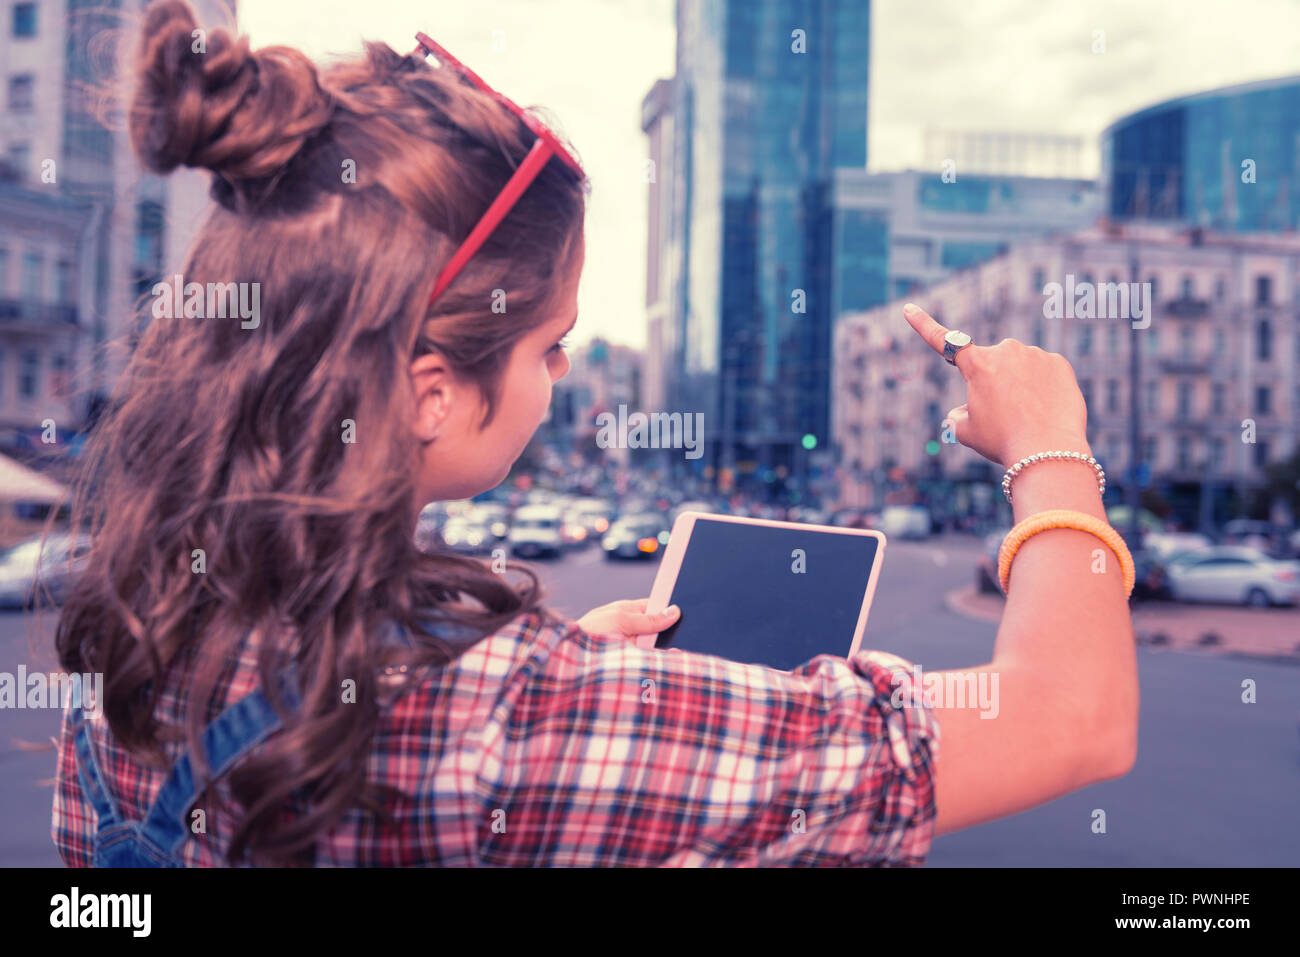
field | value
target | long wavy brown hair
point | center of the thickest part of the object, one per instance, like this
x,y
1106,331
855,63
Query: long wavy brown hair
x,y
230,439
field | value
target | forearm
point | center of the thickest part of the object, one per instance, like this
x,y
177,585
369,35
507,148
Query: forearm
x,y
1067,619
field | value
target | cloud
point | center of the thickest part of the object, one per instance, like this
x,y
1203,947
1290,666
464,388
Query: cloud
x,y
1026,65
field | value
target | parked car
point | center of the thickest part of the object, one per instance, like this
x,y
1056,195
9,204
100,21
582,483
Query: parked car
x,y
586,520
695,506
986,565
1253,533
635,536
1150,580
495,517
427,525
1234,574
904,521
20,575
536,531
1165,545
852,518
467,534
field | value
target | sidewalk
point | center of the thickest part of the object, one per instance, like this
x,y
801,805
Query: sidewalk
x,y
1256,632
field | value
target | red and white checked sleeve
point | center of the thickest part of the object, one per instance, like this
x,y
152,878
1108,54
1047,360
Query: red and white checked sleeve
x,y
600,753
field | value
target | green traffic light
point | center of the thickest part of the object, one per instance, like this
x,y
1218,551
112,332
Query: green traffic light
x,y
810,441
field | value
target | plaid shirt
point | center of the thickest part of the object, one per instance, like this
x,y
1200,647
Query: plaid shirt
x,y
544,745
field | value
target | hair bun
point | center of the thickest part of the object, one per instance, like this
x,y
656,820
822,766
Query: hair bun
x,y
204,100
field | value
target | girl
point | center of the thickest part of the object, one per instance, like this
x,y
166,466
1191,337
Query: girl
x,y
288,680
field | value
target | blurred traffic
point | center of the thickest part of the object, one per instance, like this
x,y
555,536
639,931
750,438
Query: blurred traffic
x,y
628,516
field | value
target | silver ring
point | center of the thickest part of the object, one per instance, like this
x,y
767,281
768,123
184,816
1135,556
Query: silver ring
x,y
953,343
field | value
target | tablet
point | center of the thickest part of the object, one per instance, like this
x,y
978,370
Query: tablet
x,y
764,592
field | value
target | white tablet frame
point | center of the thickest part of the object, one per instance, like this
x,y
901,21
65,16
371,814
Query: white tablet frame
x,y
679,541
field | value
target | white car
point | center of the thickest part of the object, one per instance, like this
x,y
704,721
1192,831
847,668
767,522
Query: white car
x,y
1165,545
904,521
1233,574
536,531
19,584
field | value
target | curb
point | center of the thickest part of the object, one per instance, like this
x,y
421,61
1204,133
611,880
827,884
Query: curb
x,y
1166,632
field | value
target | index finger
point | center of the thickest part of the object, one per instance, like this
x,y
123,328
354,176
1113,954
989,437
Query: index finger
x,y
926,327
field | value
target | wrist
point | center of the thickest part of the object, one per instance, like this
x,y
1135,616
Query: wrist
x,y
1056,483
1065,442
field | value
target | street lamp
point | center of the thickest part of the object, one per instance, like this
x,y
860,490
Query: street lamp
x,y
1133,494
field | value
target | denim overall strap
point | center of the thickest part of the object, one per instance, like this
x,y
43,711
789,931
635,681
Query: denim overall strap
x,y
92,779
236,731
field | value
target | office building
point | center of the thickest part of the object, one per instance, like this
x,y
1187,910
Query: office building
x,y
1227,159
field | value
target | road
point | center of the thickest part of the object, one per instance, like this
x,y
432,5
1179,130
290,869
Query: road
x,y
1217,781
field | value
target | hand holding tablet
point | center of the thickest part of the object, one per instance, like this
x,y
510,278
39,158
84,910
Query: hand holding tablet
x,y
765,592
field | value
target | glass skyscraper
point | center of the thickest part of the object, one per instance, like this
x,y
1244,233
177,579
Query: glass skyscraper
x,y
770,98
1227,158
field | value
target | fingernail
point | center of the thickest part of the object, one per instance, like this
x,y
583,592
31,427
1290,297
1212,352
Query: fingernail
x,y
910,309
672,611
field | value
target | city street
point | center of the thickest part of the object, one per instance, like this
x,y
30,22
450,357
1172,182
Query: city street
x,y
1217,782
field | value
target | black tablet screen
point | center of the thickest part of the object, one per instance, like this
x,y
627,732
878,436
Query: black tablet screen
x,y
773,596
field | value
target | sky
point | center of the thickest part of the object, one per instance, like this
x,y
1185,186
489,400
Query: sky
x,y
1023,65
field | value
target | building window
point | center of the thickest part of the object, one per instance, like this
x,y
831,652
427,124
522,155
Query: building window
x,y
34,277
1261,453
1263,400
29,371
4,275
1184,399
1039,282
1151,283
20,160
1263,290
59,378
1153,341
1112,395
1151,449
1085,386
1152,396
24,24
1112,339
1263,340
21,97
1216,400
1220,289
63,283
1216,454
1186,342
1038,334
1220,344
1085,340
1184,453
1189,287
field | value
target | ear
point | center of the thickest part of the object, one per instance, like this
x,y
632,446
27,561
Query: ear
x,y
436,392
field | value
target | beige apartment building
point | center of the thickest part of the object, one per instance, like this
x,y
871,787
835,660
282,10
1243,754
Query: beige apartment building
x,y
84,231
1216,320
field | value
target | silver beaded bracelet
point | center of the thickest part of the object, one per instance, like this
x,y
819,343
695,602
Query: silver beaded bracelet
x,y
1020,466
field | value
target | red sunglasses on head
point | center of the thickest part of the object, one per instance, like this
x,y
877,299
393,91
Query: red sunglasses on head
x,y
547,145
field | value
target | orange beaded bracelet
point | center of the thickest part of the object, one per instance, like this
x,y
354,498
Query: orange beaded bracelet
x,y
1065,518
